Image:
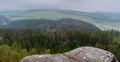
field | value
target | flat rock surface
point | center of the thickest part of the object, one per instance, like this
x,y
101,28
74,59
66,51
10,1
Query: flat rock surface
x,y
82,54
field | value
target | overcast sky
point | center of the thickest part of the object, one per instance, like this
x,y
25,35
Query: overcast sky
x,y
79,5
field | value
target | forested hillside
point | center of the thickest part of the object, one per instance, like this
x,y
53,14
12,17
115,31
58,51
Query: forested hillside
x,y
3,20
52,25
28,32
18,43
102,20
51,29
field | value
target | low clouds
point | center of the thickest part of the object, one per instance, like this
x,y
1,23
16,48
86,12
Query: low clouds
x,y
80,5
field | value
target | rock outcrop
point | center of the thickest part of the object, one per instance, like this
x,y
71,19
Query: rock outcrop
x,y
82,54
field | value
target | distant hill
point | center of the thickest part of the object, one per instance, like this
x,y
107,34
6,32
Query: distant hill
x,y
102,20
3,20
53,25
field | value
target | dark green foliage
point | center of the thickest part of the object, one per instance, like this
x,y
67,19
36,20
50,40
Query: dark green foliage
x,y
52,25
17,43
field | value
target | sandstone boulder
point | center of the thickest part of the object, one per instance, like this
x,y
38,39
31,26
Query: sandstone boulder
x,y
82,54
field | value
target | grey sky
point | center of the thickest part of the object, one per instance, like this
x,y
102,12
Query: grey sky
x,y
80,5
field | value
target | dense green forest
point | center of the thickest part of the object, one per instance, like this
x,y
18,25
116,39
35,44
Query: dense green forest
x,y
66,24
18,43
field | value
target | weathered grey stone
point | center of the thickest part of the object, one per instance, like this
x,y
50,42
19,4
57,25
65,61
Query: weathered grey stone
x,y
82,54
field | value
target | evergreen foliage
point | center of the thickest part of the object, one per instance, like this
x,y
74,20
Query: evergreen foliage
x,y
18,43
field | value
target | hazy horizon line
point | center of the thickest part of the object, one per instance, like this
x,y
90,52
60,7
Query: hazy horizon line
x,y
58,9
